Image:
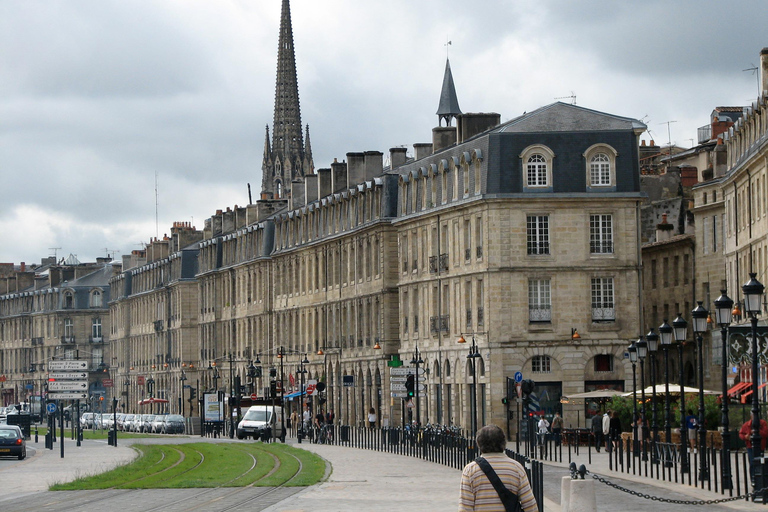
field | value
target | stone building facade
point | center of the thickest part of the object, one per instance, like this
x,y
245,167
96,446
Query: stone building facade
x,y
55,311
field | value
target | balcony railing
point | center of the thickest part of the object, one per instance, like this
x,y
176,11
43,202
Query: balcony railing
x,y
97,339
467,254
480,317
444,262
37,341
603,314
440,262
540,314
67,339
480,251
438,324
601,247
433,264
469,318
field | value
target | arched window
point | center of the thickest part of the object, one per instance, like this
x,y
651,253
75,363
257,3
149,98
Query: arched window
x,y
447,368
69,300
600,170
96,299
536,171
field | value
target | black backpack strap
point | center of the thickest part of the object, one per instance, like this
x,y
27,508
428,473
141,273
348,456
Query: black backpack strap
x,y
508,498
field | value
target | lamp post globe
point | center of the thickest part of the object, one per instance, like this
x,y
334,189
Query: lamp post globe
x,y
700,315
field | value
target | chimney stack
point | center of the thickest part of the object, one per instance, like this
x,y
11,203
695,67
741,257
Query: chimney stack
x,y
764,70
397,157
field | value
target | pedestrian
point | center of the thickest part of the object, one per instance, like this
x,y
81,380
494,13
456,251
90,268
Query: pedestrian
x,y
745,434
557,427
329,417
615,429
607,430
372,418
306,419
597,430
294,422
479,493
691,423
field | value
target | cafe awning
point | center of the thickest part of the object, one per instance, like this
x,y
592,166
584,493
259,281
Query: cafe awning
x,y
153,401
738,388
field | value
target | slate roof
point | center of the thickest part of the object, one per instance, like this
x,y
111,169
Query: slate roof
x,y
449,103
99,277
563,117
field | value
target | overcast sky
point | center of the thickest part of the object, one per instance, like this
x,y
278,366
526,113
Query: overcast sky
x,y
98,97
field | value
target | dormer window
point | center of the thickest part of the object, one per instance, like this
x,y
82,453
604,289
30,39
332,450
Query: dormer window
x,y
537,167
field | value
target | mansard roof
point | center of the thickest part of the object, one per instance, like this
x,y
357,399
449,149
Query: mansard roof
x,y
563,117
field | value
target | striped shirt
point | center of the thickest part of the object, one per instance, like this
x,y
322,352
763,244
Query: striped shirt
x,y
478,494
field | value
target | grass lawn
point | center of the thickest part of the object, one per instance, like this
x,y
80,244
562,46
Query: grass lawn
x,y
195,465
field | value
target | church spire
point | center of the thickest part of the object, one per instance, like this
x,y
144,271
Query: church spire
x,y
449,103
285,160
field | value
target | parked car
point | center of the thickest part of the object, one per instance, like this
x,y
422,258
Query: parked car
x,y
173,424
12,442
146,423
70,411
107,420
259,418
86,420
156,425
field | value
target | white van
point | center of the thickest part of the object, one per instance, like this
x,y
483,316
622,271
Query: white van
x,y
258,418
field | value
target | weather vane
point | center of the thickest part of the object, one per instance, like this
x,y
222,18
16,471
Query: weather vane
x,y
446,48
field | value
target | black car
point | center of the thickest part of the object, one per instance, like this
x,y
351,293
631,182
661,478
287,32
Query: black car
x,y
12,442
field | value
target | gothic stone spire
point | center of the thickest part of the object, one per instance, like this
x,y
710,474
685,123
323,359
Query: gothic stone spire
x,y
285,160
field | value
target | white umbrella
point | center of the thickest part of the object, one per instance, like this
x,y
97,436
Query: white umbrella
x,y
599,393
674,389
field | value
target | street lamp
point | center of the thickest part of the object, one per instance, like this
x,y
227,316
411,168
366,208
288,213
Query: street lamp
x,y
182,379
417,361
642,353
680,330
215,371
753,295
723,318
301,371
665,333
653,346
700,315
474,353
632,350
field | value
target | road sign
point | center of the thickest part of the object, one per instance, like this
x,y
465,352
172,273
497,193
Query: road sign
x,y
398,378
311,387
349,381
68,385
68,365
396,386
67,396
140,380
51,408
254,396
518,376
68,376
397,394
108,383
405,370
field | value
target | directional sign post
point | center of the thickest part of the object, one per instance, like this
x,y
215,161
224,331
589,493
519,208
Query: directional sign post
x,y
68,375
67,396
405,371
396,386
68,365
68,385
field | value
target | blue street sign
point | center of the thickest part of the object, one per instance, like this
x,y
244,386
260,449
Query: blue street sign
x,y
29,386
518,376
51,408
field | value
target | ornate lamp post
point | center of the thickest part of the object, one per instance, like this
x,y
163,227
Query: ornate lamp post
x,y
632,349
642,353
417,361
723,318
700,315
753,294
301,371
653,347
474,353
665,333
680,330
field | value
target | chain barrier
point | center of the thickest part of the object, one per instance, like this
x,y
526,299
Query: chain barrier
x,y
668,500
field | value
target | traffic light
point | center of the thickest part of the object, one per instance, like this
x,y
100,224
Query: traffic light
x,y
527,387
410,385
273,372
192,394
505,400
273,388
257,372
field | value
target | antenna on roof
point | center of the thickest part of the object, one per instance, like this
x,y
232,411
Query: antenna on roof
x,y
753,69
54,249
572,97
669,134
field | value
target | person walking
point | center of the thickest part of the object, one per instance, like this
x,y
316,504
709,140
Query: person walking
x,y
557,427
691,423
479,493
597,430
607,430
294,423
371,418
615,429
745,434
